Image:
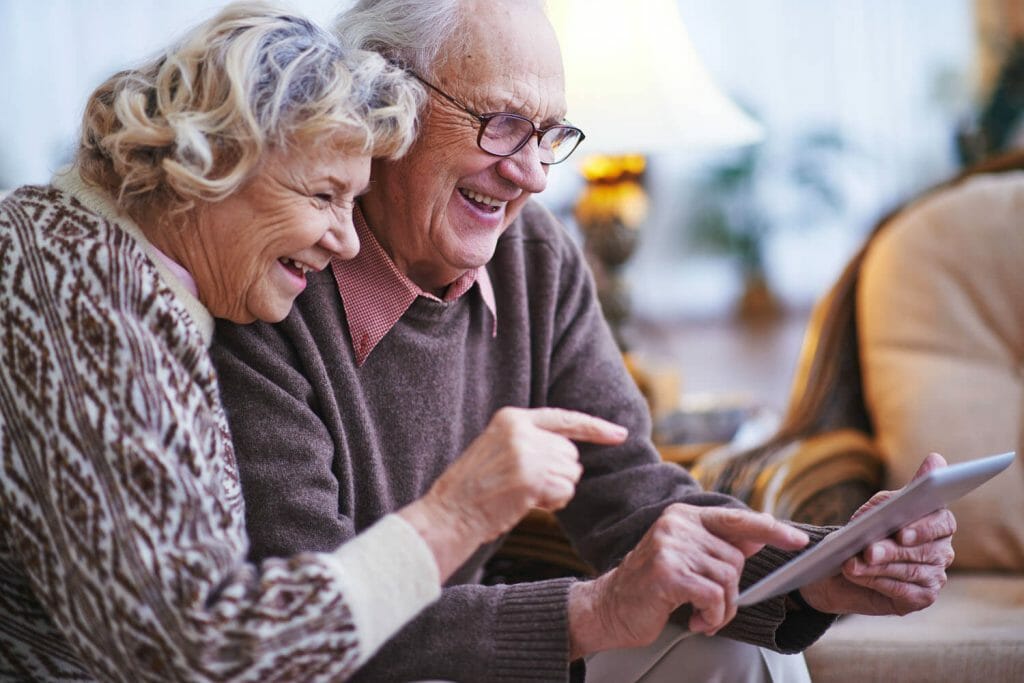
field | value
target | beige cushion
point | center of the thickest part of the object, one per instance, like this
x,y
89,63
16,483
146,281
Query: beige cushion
x,y
973,633
941,325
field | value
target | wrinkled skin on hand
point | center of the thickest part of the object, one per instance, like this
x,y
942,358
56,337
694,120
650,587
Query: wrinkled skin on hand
x,y
898,575
524,459
689,555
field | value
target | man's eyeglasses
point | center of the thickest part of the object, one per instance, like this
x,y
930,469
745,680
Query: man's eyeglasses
x,y
503,134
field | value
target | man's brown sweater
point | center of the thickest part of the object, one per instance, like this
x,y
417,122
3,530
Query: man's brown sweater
x,y
325,448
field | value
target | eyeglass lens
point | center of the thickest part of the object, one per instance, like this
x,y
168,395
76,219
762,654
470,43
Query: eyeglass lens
x,y
505,134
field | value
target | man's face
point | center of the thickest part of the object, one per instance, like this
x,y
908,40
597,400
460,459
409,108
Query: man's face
x,y
439,210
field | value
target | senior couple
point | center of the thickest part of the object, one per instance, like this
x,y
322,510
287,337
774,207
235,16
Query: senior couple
x,y
428,362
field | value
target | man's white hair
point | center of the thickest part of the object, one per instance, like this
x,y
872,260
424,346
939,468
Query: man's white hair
x,y
416,34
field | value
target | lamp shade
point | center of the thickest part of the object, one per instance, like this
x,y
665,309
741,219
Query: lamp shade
x,y
634,82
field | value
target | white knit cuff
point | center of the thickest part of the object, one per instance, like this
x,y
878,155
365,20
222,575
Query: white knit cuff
x,y
388,574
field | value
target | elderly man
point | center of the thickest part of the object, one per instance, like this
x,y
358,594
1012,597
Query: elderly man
x,y
466,297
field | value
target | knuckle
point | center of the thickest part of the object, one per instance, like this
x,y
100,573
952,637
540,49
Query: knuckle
x,y
561,418
656,538
731,516
505,414
676,509
662,558
719,521
665,524
950,522
710,594
731,574
506,419
905,607
734,556
918,600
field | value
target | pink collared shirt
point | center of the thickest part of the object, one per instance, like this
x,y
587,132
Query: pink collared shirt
x,y
376,294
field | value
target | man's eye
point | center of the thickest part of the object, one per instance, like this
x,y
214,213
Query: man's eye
x,y
325,197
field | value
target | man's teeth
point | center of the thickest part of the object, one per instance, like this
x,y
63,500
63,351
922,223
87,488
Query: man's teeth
x,y
482,198
296,264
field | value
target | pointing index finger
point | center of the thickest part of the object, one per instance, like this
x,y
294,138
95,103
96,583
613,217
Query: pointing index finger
x,y
579,426
744,527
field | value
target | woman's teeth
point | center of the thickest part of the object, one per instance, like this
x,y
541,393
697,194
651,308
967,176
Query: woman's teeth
x,y
297,265
482,199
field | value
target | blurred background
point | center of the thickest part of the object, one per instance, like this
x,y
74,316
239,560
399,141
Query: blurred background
x,y
847,107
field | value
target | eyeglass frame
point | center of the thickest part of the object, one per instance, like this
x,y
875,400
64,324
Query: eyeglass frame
x,y
485,118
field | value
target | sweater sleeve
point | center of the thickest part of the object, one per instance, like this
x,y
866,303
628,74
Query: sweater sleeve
x,y
625,488
472,632
388,574
120,497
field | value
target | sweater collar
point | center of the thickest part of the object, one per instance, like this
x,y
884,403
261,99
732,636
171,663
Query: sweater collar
x,y
70,181
376,294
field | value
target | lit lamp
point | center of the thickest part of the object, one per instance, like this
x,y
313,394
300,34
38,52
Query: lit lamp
x,y
636,87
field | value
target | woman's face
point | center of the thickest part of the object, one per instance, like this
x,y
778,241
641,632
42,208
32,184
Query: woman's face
x,y
252,251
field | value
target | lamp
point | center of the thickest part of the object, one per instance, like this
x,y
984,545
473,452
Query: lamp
x,y
634,84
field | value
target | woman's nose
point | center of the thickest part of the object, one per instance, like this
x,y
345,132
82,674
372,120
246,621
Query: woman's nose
x,y
341,239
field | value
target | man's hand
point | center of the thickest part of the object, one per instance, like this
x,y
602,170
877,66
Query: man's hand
x,y
898,575
689,555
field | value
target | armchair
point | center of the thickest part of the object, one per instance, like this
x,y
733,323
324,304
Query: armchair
x,y
918,347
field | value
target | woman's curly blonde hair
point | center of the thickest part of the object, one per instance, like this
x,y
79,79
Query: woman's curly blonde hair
x,y
194,123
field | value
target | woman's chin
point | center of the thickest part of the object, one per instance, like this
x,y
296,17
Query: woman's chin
x,y
273,319
274,314
267,312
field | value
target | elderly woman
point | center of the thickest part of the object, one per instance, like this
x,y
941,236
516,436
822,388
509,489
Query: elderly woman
x,y
208,183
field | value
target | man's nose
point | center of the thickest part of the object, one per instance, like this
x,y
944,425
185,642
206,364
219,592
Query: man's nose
x,y
524,168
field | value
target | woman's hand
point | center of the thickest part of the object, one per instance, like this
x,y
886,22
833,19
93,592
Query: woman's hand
x,y
525,458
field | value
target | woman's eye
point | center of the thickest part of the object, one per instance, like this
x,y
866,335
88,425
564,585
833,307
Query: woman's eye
x,y
325,197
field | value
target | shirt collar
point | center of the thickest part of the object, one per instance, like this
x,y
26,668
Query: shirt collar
x,y
376,294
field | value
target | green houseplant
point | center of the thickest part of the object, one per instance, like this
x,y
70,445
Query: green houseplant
x,y
737,205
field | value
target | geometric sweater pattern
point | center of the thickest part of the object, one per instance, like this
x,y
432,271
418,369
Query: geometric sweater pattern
x,y
122,539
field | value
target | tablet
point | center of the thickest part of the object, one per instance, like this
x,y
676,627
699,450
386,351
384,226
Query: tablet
x,y
931,492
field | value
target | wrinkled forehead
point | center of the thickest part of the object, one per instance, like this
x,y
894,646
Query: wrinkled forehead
x,y
507,59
